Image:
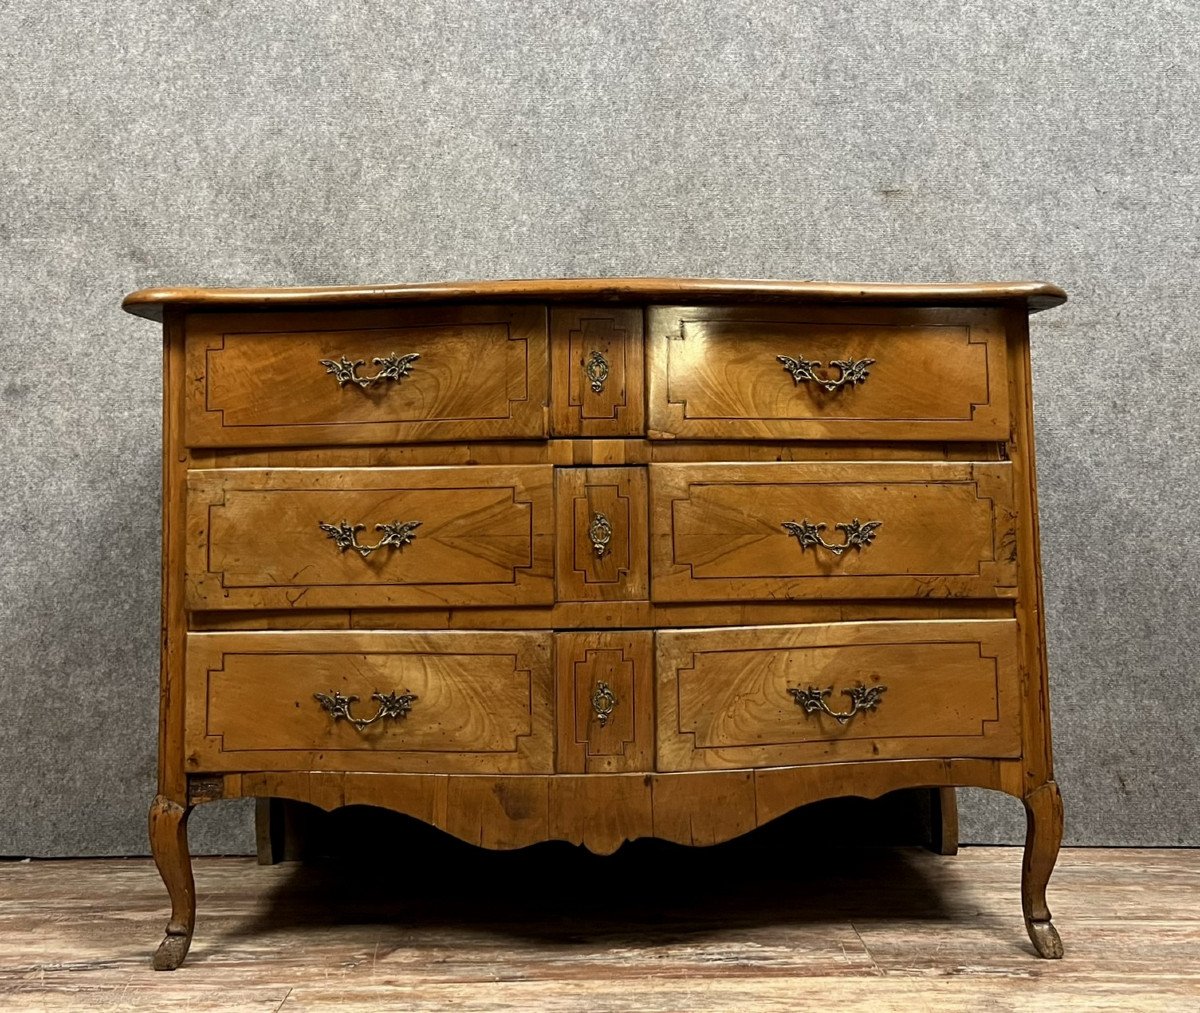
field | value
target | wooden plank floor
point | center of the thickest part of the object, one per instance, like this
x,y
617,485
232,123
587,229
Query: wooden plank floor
x,y
654,928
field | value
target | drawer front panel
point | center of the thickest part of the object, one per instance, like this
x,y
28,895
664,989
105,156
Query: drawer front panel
x,y
333,538
603,535
764,373
754,697
451,702
851,530
597,371
605,689
480,373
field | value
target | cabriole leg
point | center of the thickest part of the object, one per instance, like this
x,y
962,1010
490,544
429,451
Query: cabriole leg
x,y
1044,813
943,821
168,841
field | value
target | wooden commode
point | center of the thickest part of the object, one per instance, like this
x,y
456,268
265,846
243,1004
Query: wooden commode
x,y
601,559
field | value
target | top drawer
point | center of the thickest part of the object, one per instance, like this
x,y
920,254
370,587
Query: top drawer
x,y
366,376
819,373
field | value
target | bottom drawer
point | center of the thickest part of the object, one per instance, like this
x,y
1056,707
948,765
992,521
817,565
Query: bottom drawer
x,y
413,702
781,695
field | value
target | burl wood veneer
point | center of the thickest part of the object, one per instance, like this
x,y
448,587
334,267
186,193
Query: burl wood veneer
x,y
600,559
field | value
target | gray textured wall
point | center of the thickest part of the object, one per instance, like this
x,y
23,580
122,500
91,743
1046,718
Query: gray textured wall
x,y
330,142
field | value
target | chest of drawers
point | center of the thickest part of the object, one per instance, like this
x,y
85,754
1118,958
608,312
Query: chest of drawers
x,y
597,560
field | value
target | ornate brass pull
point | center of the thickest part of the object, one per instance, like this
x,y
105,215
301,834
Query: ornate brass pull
x,y
603,702
858,535
395,535
392,367
596,369
850,371
391,705
600,532
862,698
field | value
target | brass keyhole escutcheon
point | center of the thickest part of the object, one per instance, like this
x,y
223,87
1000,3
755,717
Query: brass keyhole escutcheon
x,y
600,532
603,702
595,366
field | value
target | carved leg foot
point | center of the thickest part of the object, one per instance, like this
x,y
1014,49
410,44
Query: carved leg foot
x,y
1045,939
1044,813
168,841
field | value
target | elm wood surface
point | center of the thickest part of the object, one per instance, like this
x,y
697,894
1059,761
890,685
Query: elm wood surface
x,y
259,378
1030,607
589,452
168,842
943,821
716,373
1042,841
589,738
1030,296
619,569
945,689
597,367
288,831
483,701
603,811
882,930
255,540
718,530
621,615
598,809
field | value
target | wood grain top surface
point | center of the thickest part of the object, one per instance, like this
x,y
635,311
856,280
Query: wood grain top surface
x,y
1035,295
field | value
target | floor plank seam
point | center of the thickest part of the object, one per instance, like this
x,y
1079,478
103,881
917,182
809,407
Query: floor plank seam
x,y
80,933
879,972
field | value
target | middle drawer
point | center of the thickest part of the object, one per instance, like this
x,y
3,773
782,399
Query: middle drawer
x,y
832,530
363,537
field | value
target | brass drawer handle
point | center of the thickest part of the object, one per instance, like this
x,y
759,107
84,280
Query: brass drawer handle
x,y
850,371
392,367
858,535
600,532
391,705
603,702
395,535
596,369
862,698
